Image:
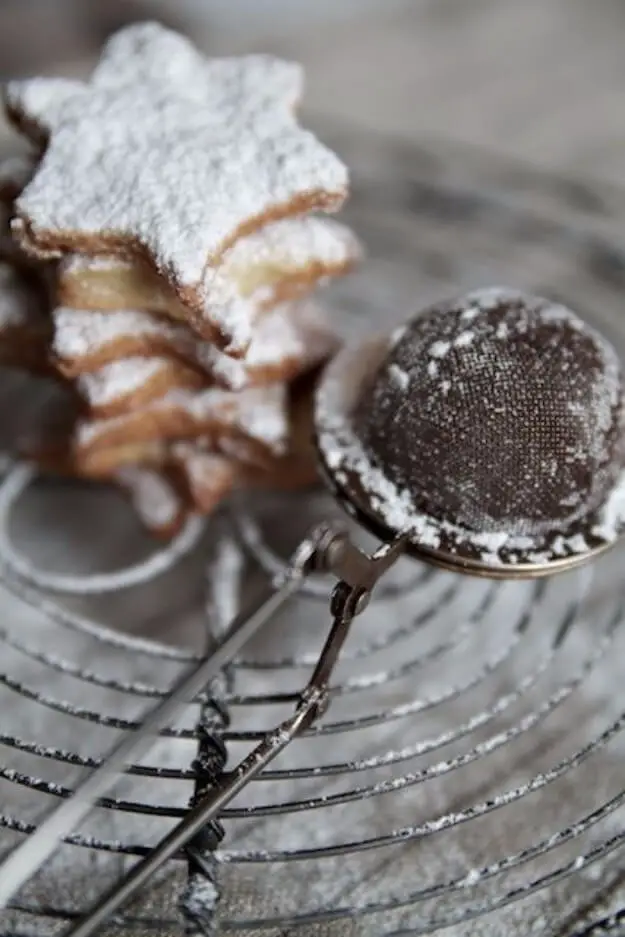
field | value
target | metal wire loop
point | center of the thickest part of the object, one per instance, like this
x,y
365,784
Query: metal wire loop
x,y
15,485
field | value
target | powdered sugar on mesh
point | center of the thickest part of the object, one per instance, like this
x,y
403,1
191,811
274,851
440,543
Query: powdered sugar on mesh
x,y
439,349
344,454
487,297
172,149
606,393
401,378
612,515
464,339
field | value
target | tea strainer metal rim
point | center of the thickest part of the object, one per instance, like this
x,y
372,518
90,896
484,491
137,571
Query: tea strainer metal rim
x,y
341,382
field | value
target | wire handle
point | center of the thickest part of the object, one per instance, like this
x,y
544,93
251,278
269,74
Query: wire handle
x,y
333,552
24,861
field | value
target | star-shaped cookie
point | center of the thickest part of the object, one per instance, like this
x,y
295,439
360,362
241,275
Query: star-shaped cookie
x,y
282,260
168,154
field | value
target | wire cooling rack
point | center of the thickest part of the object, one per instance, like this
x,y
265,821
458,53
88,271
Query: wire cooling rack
x,y
468,776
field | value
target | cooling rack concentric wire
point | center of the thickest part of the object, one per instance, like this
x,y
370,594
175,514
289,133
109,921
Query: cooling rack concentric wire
x,y
469,769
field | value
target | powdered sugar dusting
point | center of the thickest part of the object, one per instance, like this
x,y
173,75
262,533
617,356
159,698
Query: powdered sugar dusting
x,y
154,499
80,264
439,349
118,379
236,449
342,451
611,517
488,297
259,413
397,335
78,332
201,899
210,476
199,459
250,275
253,269
399,376
297,333
464,339
203,147
289,245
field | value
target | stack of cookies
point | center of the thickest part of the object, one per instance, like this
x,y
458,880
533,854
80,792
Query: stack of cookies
x,y
159,252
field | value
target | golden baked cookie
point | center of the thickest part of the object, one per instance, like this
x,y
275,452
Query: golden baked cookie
x,y
289,340
132,383
173,157
257,418
272,266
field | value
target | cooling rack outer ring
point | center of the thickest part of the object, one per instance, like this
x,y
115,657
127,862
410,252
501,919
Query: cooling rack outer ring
x,y
16,483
